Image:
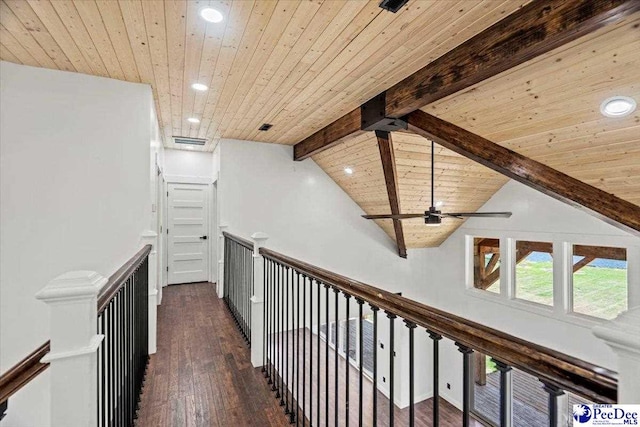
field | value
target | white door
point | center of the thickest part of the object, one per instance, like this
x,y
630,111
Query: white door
x,y
187,230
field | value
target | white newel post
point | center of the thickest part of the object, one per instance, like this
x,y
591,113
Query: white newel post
x,y
220,287
151,238
73,364
623,336
257,301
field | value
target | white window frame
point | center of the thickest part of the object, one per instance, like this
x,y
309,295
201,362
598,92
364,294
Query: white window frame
x,y
562,308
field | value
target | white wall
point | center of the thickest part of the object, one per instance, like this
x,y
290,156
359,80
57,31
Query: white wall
x,y
309,217
75,193
185,163
535,217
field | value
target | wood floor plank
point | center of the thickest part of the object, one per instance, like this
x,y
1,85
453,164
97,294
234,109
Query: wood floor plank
x,y
202,375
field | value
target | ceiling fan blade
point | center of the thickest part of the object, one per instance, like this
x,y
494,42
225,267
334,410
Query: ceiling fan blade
x,y
478,214
390,216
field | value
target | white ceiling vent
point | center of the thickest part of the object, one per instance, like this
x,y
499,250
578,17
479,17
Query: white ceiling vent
x,y
188,141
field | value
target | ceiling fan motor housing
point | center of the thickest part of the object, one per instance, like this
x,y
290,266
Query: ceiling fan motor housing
x,y
432,216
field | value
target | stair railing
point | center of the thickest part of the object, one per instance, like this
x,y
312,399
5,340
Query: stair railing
x,y
298,295
238,281
102,331
21,374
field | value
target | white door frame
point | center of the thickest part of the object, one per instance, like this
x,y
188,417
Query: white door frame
x,y
200,180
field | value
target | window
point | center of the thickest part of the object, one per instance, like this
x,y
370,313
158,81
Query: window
x,y
599,281
534,272
486,264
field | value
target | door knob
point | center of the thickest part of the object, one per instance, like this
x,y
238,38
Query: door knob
x,y
203,237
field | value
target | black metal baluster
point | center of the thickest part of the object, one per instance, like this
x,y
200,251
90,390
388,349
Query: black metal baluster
x,y
348,368
272,329
336,349
281,344
326,356
310,351
360,355
506,417
412,410
436,377
318,357
555,393
278,349
297,352
375,366
269,308
467,377
304,352
123,395
391,317
103,367
265,297
286,345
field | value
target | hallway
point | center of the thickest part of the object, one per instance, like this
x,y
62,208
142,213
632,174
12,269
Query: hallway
x,y
202,374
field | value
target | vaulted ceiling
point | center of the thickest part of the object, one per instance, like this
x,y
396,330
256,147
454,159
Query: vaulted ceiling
x,y
301,65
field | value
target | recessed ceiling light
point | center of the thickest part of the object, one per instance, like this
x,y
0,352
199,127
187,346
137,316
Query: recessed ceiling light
x,y
348,171
210,14
199,86
193,120
439,204
618,106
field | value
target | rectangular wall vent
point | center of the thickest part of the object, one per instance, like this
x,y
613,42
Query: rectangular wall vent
x,y
393,5
188,141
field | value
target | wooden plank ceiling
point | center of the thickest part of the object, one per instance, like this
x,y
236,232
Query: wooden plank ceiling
x,y
299,65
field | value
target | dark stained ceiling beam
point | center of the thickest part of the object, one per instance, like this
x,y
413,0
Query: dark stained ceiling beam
x,y
603,205
531,31
346,126
385,144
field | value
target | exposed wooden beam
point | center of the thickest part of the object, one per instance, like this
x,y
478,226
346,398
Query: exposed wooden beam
x,y
345,126
537,28
493,261
491,278
582,263
603,205
533,30
385,144
606,252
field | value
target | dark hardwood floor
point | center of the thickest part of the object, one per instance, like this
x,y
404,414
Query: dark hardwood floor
x,y
201,374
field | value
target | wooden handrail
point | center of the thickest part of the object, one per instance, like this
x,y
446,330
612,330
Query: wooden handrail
x,y
566,372
23,372
118,279
244,242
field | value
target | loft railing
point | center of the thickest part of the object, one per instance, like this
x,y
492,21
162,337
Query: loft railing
x,y
21,374
123,354
297,294
238,281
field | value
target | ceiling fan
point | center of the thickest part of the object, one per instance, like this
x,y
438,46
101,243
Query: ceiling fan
x,y
433,216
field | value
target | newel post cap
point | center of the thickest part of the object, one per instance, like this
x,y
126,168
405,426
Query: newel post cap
x,y
258,241
623,332
74,285
259,236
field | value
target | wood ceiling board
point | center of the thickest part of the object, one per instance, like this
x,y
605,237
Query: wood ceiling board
x,y
39,32
374,68
20,35
295,55
554,114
